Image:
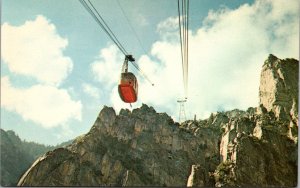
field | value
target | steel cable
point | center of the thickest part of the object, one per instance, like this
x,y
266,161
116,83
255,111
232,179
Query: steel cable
x,y
98,18
183,17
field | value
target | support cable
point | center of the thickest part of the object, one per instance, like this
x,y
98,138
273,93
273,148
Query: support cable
x,y
132,29
187,44
103,25
142,73
98,18
112,34
180,33
183,17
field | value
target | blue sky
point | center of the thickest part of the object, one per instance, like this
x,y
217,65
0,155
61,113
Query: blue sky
x,y
58,68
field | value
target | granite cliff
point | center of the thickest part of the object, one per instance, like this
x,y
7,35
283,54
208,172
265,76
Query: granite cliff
x,y
256,147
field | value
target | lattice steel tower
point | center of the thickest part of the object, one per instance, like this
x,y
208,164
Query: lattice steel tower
x,y
182,115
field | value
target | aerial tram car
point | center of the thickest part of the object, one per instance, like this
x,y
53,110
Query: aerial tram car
x,y
128,87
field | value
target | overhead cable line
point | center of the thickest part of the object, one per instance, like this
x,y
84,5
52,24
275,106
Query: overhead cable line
x,y
98,18
108,27
132,29
142,73
187,45
183,18
180,34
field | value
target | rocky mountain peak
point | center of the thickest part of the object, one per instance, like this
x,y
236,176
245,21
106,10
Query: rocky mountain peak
x,y
278,91
257,147
271,59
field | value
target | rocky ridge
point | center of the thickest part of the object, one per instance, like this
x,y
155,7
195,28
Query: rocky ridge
x,y
257,147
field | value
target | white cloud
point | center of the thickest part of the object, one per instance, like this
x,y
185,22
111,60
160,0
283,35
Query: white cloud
x,y
165,74
107,67
36,49
168,30
167,26
91,90
43,104
226,56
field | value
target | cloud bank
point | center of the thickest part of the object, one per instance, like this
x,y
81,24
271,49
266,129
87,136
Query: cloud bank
x,y
91,90
35,50
107,66
225,58
43,104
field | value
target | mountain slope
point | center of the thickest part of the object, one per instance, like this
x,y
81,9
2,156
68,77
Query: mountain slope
x,y
14,161
257,147
17,156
